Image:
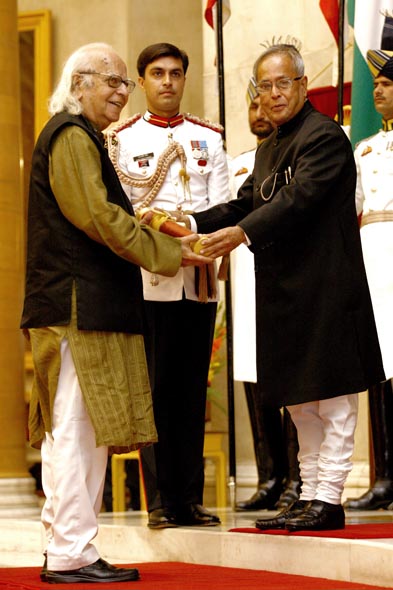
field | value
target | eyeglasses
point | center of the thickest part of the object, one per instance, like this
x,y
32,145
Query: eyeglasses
x,y
114,81
283,84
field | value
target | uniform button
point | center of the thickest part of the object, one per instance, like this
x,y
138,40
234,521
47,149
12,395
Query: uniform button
x,y
201,171
373,190
375,171
144,172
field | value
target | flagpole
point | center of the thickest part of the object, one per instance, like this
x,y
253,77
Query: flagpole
x,y
340,82
228,294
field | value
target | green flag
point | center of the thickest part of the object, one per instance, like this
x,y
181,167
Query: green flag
x,y
367,19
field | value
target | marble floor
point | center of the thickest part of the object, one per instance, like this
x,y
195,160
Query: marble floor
x,y
125,538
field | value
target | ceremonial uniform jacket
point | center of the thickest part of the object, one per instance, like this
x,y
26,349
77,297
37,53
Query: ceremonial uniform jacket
x,y
374,162
141,142
243,286
316,334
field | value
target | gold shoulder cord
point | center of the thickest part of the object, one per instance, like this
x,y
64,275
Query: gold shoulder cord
x,y
155,181
204,276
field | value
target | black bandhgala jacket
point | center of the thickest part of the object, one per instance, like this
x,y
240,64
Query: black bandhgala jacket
x,y
316,334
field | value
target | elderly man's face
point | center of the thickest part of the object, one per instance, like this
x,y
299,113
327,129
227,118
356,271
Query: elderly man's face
x,y
383,96
281,105
102,104
163,84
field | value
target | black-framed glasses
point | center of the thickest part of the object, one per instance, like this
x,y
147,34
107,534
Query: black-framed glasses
x,y
114,80
282,84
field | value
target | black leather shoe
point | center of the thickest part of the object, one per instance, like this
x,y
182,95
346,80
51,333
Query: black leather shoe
x,y
290,494
100,571
196,515
264,498
161,518
278,522
379,496
318,516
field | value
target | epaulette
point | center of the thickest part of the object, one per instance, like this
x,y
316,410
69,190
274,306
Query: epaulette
x,y
204,122
126,123
247,152
366,139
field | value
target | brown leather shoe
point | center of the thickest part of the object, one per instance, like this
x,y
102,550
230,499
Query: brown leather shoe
x,y
99,571
278,522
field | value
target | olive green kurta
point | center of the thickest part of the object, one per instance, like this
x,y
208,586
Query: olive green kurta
x,y
111,367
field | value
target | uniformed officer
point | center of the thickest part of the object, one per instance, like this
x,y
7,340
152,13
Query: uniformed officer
x,y
176,162
374,160
274,435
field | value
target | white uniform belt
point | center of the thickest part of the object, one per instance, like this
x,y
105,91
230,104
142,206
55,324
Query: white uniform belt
x,y
376,217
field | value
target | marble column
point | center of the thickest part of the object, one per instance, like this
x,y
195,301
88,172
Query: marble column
x,y
17,497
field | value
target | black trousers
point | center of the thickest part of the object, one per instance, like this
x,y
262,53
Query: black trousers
x,y
179,340
380,403
275,439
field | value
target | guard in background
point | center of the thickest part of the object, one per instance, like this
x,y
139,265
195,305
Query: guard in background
x,y
175,162
374,201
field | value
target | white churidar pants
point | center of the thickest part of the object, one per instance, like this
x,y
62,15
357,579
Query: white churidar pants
x,y
73,475
326,435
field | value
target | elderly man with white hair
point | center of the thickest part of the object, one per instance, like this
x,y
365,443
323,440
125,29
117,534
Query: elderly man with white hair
x,y
83,311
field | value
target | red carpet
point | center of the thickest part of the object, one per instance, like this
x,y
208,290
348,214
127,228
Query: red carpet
x,y
183,576
351,531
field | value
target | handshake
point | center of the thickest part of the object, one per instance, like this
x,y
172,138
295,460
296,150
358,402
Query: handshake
x,y
175,225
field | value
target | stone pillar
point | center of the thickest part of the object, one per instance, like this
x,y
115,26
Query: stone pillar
x,y
17,497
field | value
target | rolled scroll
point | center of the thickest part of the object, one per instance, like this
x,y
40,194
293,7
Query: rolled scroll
x,y
205,280
162,221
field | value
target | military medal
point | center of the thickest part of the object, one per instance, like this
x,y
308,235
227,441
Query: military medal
x,y
143,159
200,151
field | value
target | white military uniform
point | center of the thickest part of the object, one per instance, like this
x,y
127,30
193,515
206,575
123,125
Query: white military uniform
x,y
243,286
174,164
374,199
142,141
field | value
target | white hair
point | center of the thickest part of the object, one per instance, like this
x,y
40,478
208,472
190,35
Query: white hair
x,y
82,60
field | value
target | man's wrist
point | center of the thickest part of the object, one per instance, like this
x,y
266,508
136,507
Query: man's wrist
x,y
246,240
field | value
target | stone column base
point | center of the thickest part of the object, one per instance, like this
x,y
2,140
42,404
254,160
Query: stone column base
x,y
18,498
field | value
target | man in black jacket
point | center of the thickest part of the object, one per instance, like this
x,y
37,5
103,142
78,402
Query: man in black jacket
x,y
317,344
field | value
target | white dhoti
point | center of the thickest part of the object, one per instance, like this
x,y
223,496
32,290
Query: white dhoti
x,y
73,474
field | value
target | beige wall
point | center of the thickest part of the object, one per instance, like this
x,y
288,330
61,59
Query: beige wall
x,y
128,25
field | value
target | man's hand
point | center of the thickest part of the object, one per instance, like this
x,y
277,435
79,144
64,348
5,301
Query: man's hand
x,y
189,257
180,217
222,241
